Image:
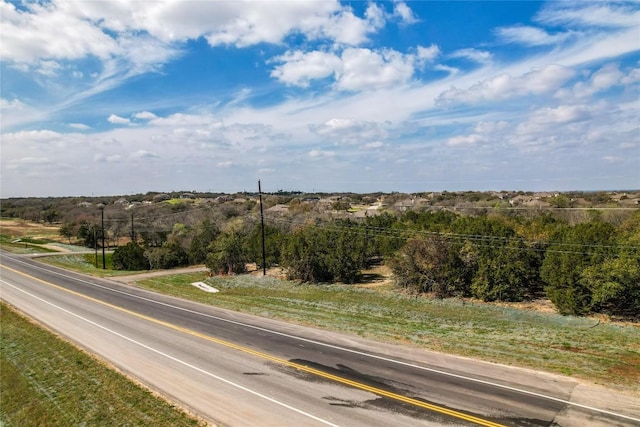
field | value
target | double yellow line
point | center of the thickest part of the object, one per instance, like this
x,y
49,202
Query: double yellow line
x,y
298,366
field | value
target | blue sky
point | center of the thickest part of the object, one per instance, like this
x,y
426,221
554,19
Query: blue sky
x,y
105,97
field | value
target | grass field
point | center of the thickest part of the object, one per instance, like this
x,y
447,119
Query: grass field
x,y
25,237
44,381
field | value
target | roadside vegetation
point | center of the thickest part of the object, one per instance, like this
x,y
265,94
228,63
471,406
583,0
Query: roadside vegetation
x,y
460,269
45,381
581,251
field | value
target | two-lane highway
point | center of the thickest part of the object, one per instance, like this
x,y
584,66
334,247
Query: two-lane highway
x,y
237,370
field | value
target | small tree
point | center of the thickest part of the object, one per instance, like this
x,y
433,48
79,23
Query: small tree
x,y
227,254
615,285
324,254
510,273
129,257
302,257
198,250
170,255
431,265
90,234
419,265
576,249
274,238
68,230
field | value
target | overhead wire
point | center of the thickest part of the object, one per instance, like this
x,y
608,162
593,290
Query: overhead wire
x,y
405,234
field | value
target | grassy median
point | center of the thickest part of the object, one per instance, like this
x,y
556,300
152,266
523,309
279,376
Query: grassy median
x,y
45,381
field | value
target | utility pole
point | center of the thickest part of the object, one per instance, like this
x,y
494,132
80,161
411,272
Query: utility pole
x,y
104,260
95,244
264,256
133,234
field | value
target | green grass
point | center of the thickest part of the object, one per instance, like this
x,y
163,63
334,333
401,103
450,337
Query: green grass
x,y
45,381
603,353
86,263
23,245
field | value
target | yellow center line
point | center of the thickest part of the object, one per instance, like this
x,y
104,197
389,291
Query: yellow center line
x,y
266,356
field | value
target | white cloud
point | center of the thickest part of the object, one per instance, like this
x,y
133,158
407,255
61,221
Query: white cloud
x,y
15,112
446,68
348,29
336,126
10,105
505,86
355,69
79,126
632,77
613,159
590,14
300,68
605,78
561,114
47,68
321,154
403,11
122,40
530,36
226,164
480,56
561,125
348,131
366,69
466,140
376,104
117,120
373,145
145,115
46,32
243,24
375,15
143,154
489,127
103,158
428,53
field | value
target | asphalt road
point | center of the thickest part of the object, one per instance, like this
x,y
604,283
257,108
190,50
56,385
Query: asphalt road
x,y
239,370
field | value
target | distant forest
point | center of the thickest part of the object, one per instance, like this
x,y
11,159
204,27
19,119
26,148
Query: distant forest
x,y
580,250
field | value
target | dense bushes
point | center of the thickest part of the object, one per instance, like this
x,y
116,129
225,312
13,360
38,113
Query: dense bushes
x,y
169,255
227,254
430,265
129,257
323,254
586,268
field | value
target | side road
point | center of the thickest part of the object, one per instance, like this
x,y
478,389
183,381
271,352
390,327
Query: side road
x,y
157,273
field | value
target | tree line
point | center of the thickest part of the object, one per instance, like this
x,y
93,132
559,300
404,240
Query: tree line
x,y
583,268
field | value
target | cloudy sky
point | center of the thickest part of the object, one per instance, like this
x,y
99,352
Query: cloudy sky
x,y
119,97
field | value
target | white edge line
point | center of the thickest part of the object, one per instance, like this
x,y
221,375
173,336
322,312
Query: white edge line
x,y
348,350
243,388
